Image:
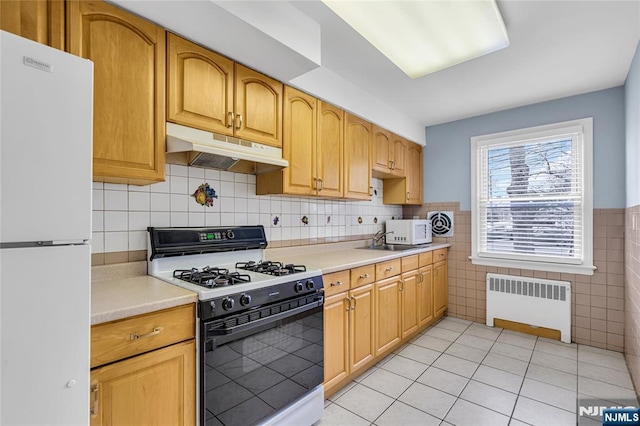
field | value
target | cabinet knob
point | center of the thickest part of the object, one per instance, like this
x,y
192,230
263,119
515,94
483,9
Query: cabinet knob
x,y
389,269
230,119
364,276
336,284
239,117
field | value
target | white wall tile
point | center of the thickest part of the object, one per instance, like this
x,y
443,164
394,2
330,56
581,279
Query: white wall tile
x,y
240,219
194,206
179,219
97,185
160,219
138,188
226,218
160,186
227,189
196,172
97,221
116,241
227,176
139,201
241,177
115,186
178,170
178,184
227,204
179,203
253,205
115,221
115,200
97,242
240,205
196,219
253,219
240,190
265,206
138,221
160,202
194,184
137,240
212,174
212,219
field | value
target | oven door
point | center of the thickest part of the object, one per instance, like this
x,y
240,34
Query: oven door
x,y
258,362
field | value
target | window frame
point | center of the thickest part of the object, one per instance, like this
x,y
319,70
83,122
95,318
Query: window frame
x,y
583,266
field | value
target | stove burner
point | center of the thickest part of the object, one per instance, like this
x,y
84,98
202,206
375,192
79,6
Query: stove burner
x,y
211,277
272,268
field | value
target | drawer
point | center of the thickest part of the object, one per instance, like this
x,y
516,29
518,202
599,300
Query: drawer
x,y
131,336
409,263
440,254
363,275
388,269
336,283
425,258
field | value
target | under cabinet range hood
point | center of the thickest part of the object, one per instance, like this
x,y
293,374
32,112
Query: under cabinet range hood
x,y
208,150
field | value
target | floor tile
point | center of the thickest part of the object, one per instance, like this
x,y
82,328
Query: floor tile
x,y
517,340
479,330
537,413
386,382
420,354
364,402
549,394
603,360
555,362
405,367
604,390
475,342
514,422
456,365
342,391
604,374
466,413
511,351
443,380
366,374
403,414
585,348
443,333
428,399
568,351
458,320
556,342
553,377
453,325
431,342
498,378
502,362
490,397
336,415
466,352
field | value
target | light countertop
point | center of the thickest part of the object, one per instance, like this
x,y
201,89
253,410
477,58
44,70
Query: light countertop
x,y
125,297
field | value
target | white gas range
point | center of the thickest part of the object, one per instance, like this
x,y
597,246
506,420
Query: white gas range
x,y
260,324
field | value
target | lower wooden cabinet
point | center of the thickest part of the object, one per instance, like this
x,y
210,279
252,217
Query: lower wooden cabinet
x,y
388,308
361,326
425,296
440,288
157,388
410,303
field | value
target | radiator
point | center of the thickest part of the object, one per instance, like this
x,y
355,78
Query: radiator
x,y
533,301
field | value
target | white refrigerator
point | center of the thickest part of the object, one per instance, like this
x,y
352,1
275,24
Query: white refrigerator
x,y
46,104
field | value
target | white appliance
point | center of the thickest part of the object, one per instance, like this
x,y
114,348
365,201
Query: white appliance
x,y
408,231
46,104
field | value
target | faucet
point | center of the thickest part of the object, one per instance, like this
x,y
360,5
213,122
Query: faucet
x,y
379,236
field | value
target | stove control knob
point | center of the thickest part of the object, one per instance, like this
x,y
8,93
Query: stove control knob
x,y
245,299
227,304
298,287
213,306
230,234
309,284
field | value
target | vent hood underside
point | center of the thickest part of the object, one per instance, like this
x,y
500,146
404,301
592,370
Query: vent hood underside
x,y
198,148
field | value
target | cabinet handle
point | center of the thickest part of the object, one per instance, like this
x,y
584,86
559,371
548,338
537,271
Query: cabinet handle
x,y
401,285
348,300
136,336
408,194
364,276
94,393
239,117
354,303
230,119
336,284
321,185
389,269
315,184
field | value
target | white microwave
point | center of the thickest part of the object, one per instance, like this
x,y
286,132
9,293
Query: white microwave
x,y
408,231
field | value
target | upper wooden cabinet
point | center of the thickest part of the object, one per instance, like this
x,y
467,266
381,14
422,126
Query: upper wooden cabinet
x,y
407,190
37,20
210,92
389,152
357,162
129,90
330,150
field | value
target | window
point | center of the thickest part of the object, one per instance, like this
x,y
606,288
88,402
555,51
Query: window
x,y
532,205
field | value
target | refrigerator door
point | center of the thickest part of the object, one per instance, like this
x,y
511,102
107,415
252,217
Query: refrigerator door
x,y
46,116
45,312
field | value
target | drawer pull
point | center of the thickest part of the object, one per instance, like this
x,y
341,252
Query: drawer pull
x,y
389,269
136,336
94,393
364,276
336,284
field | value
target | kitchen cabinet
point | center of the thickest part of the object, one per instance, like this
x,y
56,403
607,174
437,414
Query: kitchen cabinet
x,y
425,296
128,53
211,92
357,157
143,369
388,314
330,150
336,342
37,20
407,190
440,290
410,302
389,152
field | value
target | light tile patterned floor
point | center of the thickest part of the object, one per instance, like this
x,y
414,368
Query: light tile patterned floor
x,y
463,373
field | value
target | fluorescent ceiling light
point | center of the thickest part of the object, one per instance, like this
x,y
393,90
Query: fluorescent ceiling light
x,y
425,36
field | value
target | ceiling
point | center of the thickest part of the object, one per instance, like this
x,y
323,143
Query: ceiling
x,y
557,49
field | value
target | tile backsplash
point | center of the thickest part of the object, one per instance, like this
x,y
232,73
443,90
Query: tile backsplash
x,y
121,213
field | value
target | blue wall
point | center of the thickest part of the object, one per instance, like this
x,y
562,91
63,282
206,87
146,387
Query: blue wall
x,y
632,112
447,155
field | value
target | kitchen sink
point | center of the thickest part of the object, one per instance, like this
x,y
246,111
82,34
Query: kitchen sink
x,y
393,247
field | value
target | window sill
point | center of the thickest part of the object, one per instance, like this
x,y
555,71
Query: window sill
x,y
534,266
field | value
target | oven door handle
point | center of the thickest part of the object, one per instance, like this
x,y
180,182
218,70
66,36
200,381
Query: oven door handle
x,y
261,321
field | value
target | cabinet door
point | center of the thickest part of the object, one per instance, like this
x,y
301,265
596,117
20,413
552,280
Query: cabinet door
x,y
440,288
258,107
299,142
381,149
357,160
388,307
200,87
336,339
129,90
414,174
361,327
425,296
156,388
329,151
398,156
409,297
37,20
